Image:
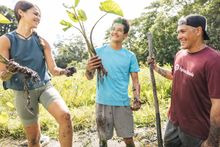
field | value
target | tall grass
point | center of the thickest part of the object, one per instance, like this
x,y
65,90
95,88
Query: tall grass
x,y
79,94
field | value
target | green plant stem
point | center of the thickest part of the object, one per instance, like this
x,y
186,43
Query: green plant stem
x,y
92,46
80,23
83,32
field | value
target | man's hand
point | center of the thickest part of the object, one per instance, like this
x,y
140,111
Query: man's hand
x,y
136,104
69,71
93,63
152,61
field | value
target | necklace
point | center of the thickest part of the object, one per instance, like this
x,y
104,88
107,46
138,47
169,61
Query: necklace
x,y
23,37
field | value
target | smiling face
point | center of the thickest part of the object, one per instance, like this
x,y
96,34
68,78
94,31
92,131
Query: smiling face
x,y
31,17
117,33
27,14
187,36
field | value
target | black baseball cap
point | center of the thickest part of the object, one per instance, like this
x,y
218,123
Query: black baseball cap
x,y
195,20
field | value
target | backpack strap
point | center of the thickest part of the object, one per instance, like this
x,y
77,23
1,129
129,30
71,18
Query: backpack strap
x,y
39,41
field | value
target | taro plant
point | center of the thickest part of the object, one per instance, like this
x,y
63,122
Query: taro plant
x,y
78,16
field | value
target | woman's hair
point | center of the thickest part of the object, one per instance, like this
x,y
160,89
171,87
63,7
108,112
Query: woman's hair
x,y
124,22
24,6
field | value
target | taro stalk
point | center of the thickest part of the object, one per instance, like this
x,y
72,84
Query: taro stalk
x,y
79,16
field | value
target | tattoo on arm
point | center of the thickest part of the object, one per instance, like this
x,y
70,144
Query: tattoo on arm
x,y
162,72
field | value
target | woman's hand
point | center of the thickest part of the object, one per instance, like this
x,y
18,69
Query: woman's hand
x,y
69,71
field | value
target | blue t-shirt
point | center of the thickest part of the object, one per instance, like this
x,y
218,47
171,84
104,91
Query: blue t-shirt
x,y
113,88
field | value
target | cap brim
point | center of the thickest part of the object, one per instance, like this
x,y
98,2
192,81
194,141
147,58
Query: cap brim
x,y
206,37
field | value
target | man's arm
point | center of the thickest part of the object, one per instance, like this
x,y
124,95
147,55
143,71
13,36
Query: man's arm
x,y
214,132
136,91
163,72
136,85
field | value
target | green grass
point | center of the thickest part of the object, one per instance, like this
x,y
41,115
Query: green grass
x,y
79,94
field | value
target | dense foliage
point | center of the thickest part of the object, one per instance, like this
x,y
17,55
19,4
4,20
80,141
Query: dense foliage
x,y
9,14
161,18
70,51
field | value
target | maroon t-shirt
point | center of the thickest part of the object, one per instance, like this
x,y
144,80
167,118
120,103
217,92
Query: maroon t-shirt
x,y
196,79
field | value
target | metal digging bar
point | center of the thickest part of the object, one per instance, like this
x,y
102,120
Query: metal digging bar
x,y
29,75
156,105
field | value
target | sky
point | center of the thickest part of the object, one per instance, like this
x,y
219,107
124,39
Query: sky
x,y
53,12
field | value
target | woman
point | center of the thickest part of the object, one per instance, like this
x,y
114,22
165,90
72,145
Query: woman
x,y
24,47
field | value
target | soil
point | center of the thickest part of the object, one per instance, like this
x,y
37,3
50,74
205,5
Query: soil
x,y
144,137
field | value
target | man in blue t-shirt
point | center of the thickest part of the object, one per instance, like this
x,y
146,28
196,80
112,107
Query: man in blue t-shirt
x,y
113,109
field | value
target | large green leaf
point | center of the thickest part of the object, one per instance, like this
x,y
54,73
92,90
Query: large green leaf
x,y
110,6
66,24
72,16
4,20
76,3
82,15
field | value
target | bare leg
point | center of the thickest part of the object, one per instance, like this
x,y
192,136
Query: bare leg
x,y
32,132
60,111
129,142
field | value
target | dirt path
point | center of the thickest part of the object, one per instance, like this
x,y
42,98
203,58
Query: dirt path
x,y
144,137
55,143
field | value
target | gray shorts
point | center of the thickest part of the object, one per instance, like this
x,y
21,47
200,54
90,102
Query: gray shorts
x,y
109,118
174,137
44,95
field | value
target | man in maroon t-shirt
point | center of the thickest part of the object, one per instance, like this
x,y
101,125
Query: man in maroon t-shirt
x,y
194,115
